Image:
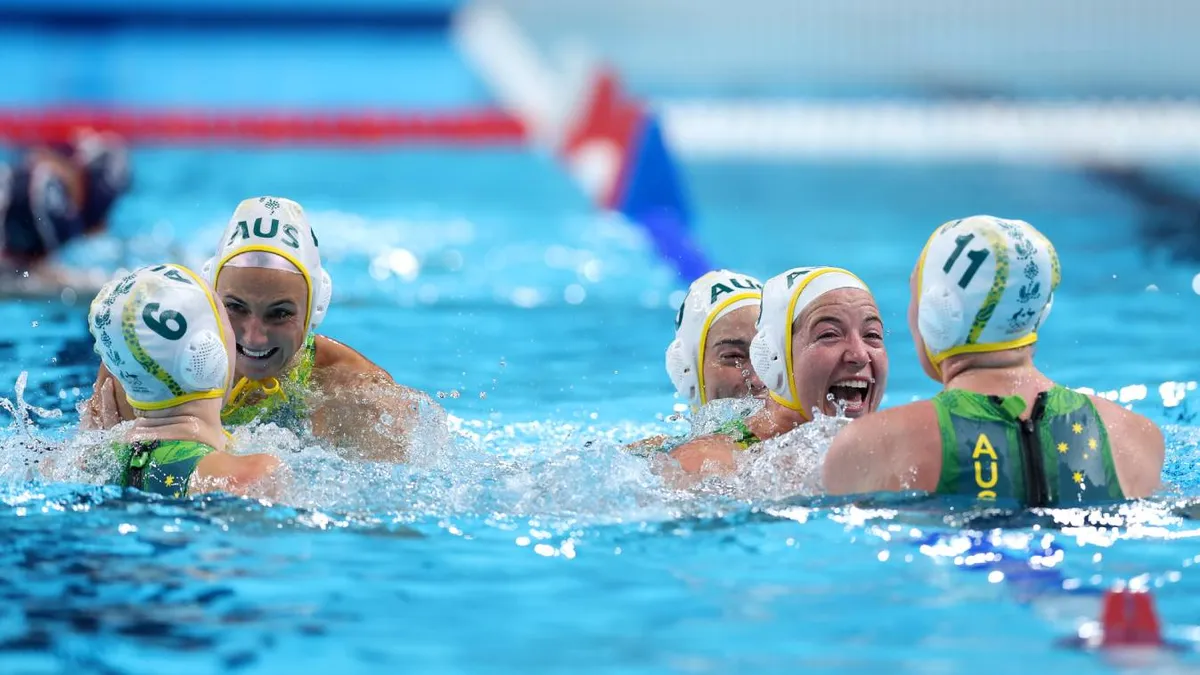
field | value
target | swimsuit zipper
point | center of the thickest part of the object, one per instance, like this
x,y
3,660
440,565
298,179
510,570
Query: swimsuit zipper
x,y
142,452
1036,490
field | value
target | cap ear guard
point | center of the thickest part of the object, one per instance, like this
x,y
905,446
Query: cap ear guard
x,y
940,318
209,269
1045,312
322,298
769,365
203,364
682,372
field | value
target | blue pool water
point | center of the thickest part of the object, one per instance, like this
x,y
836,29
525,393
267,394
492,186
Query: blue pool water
x,y
531,543
528,542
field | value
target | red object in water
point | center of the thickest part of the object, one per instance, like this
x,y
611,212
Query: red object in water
x,y
613,118
470,127
1130,620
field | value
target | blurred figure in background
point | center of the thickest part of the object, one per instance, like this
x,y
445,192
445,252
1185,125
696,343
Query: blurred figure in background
x,y
50,196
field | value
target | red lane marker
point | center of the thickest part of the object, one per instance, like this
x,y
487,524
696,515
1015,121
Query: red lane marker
x,y
1129,619
611,119
472,127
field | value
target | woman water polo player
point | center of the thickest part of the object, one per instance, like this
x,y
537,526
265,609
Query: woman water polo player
x,y
268,274
819,345
1000,429
709,359
161,330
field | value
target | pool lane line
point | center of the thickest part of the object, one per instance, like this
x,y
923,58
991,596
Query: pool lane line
x,y
468,127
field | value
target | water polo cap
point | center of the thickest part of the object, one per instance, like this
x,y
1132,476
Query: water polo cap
x,y
984,285
275,226
708,299
785,297
158,331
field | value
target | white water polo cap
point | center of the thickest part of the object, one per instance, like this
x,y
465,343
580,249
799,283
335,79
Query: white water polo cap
x,y
158,331
985,284
708,299
785,297
279,227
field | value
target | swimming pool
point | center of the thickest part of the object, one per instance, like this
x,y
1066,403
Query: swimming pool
x,y
532,543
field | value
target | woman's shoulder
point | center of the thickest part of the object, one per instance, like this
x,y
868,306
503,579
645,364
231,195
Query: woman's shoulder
x,y
335,357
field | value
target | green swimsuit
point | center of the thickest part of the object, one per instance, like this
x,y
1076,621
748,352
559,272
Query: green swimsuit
x,y
284,406
739,432
1059,457
160,467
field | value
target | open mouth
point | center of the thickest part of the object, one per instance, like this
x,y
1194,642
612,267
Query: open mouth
x,y
255,355
851,395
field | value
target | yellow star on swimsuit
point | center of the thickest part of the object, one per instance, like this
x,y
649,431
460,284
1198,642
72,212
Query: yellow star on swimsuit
x,y
1077,428
169,481
1078,476
1062,447
1091,444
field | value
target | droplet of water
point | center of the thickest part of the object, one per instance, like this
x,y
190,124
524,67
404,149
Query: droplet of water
x,y
483,394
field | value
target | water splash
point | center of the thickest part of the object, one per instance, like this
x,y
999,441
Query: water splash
x,y
22,420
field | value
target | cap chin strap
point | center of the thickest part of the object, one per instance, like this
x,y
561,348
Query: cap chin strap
x,y
980,348
245,387
790,406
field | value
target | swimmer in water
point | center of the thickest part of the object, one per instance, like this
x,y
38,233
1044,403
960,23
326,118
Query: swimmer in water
x,y
53,195
709,359
819,337
170,343
1000,429
269,277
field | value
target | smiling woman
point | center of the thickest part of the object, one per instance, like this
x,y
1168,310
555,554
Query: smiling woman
x,y
268,274
819,347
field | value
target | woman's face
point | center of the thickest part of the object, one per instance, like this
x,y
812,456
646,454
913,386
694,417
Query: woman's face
x,y
267,311
837,349
727,369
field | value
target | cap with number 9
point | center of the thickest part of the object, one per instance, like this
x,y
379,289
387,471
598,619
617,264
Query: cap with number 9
x,y
160,332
